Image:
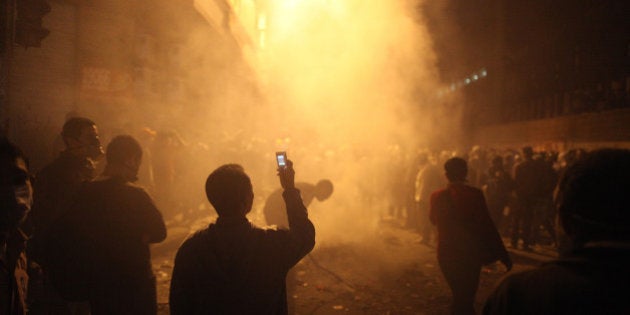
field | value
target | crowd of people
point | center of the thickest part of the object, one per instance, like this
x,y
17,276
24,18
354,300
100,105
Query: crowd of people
x,y
77,242
518,187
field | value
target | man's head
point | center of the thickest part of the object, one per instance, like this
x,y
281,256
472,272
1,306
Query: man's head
x,y
528,153
16,192
497,161
456,169
124,155
323,189
81,138
593,197
229,190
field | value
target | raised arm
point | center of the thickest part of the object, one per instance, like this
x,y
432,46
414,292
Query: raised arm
x,y
301,230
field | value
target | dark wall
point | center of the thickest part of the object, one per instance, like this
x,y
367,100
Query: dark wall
x,y
533,50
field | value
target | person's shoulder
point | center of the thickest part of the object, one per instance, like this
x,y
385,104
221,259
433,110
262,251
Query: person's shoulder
x,y
472,189
521,164
439,193
52,170
194,241
135,189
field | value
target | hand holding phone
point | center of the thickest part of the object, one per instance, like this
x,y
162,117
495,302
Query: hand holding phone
x,y
285,171
281,159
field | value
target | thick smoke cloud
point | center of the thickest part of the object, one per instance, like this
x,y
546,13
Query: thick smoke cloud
x,y
352,87
348,88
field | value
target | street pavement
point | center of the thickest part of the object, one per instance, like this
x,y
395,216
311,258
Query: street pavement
x,y
390,272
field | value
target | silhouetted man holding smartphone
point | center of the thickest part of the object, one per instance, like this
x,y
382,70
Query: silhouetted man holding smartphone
x,y
233,267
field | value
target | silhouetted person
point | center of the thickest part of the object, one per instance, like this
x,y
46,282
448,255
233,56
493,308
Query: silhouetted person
x,y
117,221
55,187
499,186
528,182
58,182
592,199
545,214
233,267
428,180
467,237
275,211
16,196
165,154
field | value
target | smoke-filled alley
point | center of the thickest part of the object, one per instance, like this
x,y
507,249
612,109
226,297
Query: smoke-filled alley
x,y
313,156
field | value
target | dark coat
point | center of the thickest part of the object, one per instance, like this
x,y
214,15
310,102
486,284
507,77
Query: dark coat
x,y
465,229
233,267
54,190
115,222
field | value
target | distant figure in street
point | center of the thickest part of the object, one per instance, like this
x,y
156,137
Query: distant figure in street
x,y
428,180
275,210
467,237
16,196
233,267
593,202
499,186
166,152
528,187
117,221
55,187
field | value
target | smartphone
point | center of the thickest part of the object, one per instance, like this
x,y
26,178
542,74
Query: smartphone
x,y
281,158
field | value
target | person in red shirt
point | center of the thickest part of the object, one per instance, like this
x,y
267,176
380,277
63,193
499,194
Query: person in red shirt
x,y
467,237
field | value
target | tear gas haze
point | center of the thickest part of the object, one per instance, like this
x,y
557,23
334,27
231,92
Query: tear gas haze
x,y
347,88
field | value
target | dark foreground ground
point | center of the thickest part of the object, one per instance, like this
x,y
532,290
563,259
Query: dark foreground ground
x,y
391,273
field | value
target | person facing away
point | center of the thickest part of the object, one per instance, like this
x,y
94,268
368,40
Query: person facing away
x,y
467,237
498,190
116,221
592,199
16,195
233,267
527,185
275,211
428,180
